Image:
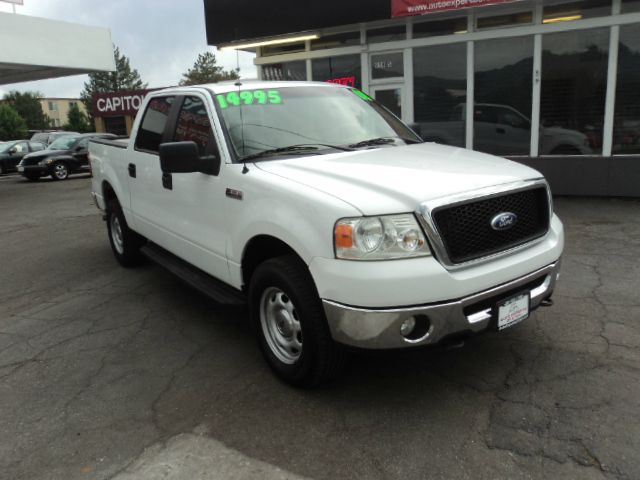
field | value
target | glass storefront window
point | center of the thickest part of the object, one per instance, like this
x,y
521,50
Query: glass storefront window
x,y
285,71
440,92
508,20
389,34
574,80
502,112
440,27
629,6
626,123
387,65
566,12
336,41
345,70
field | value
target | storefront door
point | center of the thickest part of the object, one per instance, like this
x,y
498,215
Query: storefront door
x,y
391,96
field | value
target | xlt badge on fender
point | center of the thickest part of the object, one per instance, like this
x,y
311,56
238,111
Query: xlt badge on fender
x,y
504,221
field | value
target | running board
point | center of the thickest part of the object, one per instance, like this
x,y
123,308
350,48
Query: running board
x,y
213,288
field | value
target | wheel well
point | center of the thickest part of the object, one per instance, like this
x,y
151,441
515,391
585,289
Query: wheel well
x,y
108,193
260,249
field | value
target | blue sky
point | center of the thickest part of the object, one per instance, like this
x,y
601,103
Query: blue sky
x,y
162,38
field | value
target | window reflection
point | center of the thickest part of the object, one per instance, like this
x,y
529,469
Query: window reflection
x,y
626,127
344,70
440,92
503,96
574,78
285,71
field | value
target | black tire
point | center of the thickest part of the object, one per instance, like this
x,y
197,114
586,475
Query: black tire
x,y
320,358
127,248
32,178
60,171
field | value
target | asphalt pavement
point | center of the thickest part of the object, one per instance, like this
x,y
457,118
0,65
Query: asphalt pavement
x,y
114,373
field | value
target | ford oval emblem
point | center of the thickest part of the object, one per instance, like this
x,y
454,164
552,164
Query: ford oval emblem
x,y
504,221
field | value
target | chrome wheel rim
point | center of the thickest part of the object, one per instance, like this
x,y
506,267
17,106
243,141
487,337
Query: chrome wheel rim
x,y
116,234
281,325
60,171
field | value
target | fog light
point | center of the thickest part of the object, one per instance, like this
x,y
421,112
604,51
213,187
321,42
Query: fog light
x,y
407,326
416,329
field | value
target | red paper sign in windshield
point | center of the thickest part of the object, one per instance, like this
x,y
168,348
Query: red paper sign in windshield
x,y
403,8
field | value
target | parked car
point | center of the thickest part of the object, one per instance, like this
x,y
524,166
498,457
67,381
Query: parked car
x,y
65,156
12,152
503,130
48,137
329,217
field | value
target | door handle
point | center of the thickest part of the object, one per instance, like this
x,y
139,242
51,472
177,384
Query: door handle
x,y
167,181
132,170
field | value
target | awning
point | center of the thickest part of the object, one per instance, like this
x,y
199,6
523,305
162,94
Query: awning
x,y
33,48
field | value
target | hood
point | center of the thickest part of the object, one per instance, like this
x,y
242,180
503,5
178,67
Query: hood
x,y
34,157
398,179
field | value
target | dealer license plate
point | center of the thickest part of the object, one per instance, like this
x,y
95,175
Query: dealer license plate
x,y
21,169
513,310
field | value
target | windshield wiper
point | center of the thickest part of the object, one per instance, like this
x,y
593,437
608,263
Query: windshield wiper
x,y
293,149
381,141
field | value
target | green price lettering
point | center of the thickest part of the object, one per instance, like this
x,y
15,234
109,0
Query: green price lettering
x,y
249,97
362,95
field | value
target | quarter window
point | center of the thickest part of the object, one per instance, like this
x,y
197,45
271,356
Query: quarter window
x,y
153,124
194,125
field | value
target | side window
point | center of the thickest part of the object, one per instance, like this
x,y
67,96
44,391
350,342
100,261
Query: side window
x,y
21,147
84,143
36,146
193,125
155,118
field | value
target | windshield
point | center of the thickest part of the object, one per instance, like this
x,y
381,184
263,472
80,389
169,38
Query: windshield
x,y
264,120
63,143
5,147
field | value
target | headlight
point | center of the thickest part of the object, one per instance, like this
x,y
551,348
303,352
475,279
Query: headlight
x,y
380,238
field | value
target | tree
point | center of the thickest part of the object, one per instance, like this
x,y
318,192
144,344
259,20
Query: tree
x,y
12,125
77,121
205,70
28,106
123,78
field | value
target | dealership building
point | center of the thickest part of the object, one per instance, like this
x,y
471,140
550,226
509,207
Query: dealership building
x,y
552,84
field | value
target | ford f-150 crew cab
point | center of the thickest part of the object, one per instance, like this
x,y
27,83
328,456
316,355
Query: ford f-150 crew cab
x,y
329,217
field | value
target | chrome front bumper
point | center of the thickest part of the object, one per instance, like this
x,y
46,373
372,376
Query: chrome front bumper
x,y
380,328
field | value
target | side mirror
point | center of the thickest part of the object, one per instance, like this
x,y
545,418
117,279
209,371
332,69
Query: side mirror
x,y
183,157
13,150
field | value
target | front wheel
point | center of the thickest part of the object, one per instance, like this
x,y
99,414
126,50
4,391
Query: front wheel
x,y
292,329
60,171
125,243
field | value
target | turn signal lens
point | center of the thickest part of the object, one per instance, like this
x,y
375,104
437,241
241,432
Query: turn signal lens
x,y
344,236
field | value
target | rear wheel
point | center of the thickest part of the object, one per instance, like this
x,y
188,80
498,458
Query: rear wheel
x,y
292,329
60,171
125,243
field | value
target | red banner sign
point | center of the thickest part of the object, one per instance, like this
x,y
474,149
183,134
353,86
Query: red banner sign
x,y
403,8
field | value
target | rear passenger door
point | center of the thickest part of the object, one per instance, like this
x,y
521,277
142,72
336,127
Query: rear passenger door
x,y
148,200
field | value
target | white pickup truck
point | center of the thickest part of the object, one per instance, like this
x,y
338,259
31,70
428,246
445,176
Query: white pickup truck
x,y
329,217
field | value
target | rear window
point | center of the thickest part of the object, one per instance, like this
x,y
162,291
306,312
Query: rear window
x,y
153,124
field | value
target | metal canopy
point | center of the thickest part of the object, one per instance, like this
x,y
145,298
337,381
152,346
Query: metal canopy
x,y
33,48
230,21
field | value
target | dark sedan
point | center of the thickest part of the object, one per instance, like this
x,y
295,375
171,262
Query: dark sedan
x,y
66,155
12,152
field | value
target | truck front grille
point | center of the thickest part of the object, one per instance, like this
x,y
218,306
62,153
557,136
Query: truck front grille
x,y
466,232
